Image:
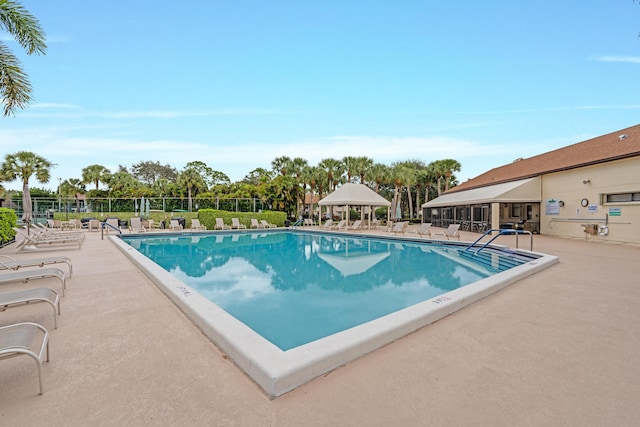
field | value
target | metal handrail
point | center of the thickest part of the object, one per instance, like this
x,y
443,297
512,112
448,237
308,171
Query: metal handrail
x,y
104,224
501,232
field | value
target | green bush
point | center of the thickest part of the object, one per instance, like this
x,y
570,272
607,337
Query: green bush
x,y
208,217
8,220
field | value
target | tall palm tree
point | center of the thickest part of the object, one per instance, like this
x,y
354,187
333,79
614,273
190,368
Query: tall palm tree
x,y
296,168
95,174
23,165
334,170
378,174
15,88
350,165
404,176
449,166
413,168
70,188
193,182
282,165
363,164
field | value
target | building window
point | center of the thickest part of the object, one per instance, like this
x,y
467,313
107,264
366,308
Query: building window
x,y
515,210
622,198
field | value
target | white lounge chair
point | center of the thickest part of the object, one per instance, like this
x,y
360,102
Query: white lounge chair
x,y
25,296
267,224
220,225
424,229
174,224
340,225
235,223
8,263
327,224
151,224
35,241
256,224
357,225
399,227
112,224
195,225
135,225
450,233
44,232
18,339
94,224
41,273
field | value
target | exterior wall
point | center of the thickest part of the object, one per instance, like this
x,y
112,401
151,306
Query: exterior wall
x,y
568,188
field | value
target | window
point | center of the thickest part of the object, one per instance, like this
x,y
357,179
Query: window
x,y
515,210
622,198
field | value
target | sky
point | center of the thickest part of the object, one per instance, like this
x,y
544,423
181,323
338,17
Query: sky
x,y
235,84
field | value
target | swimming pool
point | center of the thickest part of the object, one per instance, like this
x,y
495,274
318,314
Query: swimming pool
x,y
251,292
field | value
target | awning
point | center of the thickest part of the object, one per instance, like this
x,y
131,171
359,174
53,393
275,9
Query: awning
x,y
525,190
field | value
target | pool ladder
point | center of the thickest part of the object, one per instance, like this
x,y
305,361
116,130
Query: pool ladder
x,y
501,232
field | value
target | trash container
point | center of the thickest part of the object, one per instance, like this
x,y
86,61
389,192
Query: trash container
x,y
506,226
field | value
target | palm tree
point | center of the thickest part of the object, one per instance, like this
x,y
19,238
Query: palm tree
x,y
449,166
296,168
350,164
334,170
22,165
403,176
15,89
363,164
95,174
378,174
193,182
281,164
70,188
121,183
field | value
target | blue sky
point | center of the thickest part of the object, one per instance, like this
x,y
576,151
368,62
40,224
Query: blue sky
x,y
237,83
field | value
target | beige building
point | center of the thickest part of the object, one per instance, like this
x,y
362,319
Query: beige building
x,y
586,190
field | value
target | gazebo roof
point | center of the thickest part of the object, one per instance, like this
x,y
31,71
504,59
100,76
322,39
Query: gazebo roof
x,y
354,194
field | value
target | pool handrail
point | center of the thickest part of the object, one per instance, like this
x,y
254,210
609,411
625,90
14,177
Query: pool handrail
x,y
501,232
105,224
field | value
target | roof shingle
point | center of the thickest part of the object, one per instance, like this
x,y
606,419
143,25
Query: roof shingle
x,y
613,146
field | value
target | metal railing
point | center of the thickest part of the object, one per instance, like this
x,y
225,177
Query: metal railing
x,y
501,232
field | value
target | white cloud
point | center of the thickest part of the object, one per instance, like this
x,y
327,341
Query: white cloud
x,y
615,58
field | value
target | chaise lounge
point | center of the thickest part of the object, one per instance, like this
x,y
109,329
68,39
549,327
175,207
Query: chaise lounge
x,y
8,263
39,241
17,340
450,233
41,273
34,295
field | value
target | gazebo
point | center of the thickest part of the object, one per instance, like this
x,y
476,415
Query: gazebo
x,y
354,195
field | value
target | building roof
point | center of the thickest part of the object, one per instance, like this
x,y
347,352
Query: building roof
x,y
606,148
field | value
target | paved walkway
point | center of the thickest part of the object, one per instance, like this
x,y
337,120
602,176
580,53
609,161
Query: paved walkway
x,y
559,348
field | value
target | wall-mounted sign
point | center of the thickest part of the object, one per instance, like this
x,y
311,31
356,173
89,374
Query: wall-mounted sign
x,y
592,208
552,207
615,211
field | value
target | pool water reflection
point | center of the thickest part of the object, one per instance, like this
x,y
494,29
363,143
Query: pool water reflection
x,y
295,288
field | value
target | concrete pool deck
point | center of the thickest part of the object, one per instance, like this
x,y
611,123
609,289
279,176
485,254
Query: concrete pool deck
x,y
558,348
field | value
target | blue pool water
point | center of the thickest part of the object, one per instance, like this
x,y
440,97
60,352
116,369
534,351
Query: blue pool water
x,y
295,287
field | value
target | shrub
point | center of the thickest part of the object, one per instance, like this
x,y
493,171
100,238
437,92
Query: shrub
x,y
8,220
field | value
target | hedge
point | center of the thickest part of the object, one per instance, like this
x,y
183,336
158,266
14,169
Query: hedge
x,y
8,220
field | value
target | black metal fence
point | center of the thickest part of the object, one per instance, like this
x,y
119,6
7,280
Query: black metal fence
x,y
44,207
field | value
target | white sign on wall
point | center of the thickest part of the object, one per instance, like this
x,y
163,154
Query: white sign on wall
x,y
552,207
